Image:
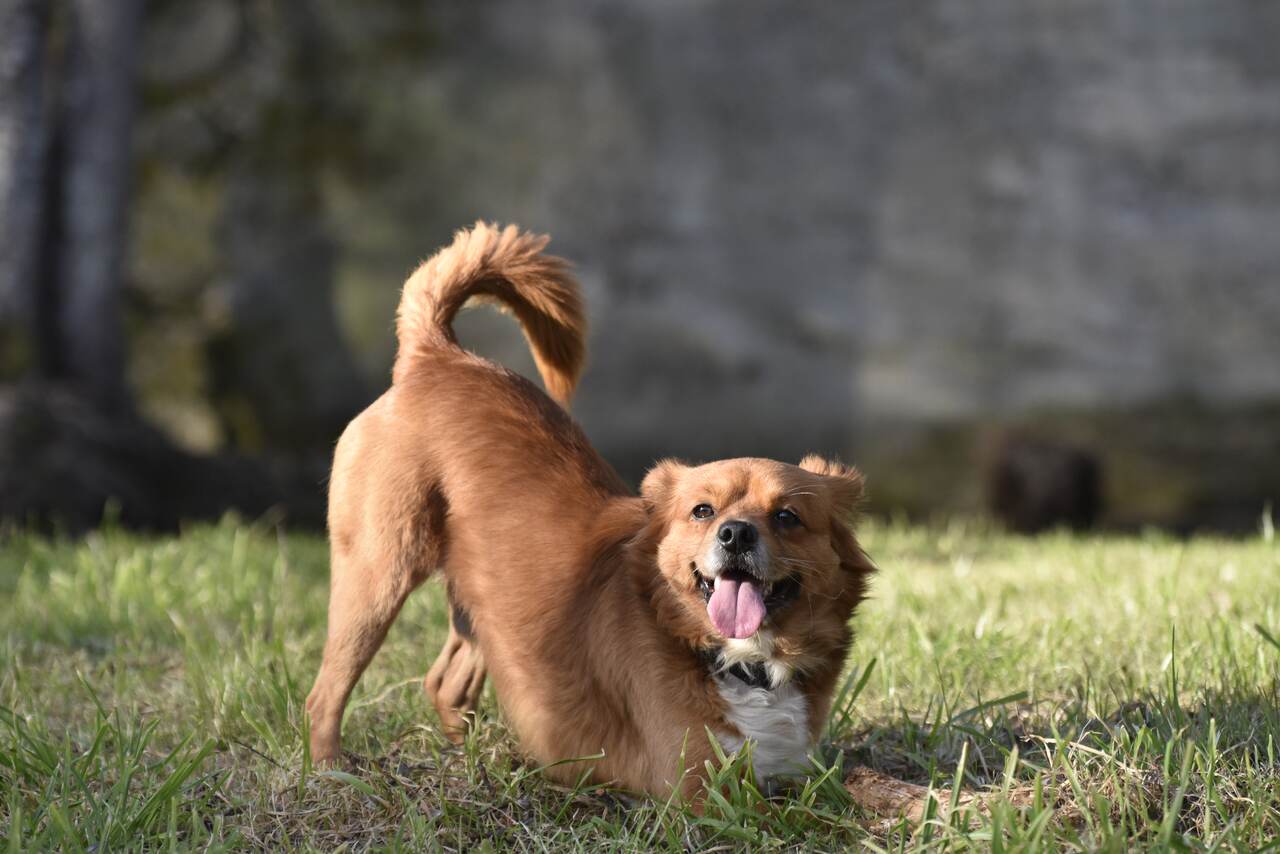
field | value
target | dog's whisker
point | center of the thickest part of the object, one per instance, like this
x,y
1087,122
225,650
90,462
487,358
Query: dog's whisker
x,y
803,567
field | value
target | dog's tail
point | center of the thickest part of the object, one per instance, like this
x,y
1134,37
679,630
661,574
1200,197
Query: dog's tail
x,y
506,267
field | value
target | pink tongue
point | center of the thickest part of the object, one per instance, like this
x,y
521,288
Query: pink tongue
x,y
736,607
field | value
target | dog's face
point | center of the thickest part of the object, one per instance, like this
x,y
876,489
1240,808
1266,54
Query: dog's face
x,y
752,545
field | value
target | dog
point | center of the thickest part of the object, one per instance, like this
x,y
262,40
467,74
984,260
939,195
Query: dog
x,y
622,633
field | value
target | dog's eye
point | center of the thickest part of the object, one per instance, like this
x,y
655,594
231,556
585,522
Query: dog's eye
x,y
786,519
703,511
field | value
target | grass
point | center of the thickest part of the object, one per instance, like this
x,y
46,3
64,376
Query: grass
x,y
1114,692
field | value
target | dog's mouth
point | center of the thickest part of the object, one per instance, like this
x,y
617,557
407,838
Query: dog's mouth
x,y
738,601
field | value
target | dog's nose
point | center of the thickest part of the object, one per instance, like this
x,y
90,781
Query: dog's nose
x,y
737,536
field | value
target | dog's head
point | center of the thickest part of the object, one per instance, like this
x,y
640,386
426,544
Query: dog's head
x,y
753,546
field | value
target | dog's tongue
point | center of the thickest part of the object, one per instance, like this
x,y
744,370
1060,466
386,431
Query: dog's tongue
x,y
736,607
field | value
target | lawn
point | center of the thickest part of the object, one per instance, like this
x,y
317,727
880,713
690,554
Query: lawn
x,y
1098,692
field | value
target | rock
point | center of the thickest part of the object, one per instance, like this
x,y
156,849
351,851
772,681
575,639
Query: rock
x,y
1034,484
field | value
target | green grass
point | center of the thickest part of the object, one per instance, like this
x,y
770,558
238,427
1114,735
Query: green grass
x,y
1121,691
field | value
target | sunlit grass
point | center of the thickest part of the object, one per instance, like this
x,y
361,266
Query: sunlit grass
x,y
1120,691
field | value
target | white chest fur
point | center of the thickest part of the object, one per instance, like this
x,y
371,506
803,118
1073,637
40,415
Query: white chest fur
x,y
777,721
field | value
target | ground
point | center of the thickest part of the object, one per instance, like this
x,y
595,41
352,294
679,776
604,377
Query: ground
x,y
1104,692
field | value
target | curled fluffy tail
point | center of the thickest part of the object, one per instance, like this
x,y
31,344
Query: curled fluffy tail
x,y
508,268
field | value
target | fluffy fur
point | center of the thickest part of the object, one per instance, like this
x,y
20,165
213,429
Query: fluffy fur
x,y
583,602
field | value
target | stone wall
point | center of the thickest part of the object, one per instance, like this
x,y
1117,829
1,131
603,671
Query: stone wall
x,y
886,230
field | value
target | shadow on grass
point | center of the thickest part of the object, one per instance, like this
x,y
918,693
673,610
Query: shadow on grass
x,y
1151,762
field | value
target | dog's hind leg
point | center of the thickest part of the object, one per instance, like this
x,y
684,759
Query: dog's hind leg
x,y
363,602
370,578
456,679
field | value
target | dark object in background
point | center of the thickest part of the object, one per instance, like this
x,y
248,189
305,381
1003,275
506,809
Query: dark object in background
x,y
1035,483
73,437
63,459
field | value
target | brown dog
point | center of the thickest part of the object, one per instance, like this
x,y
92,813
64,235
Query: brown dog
x,y
614,627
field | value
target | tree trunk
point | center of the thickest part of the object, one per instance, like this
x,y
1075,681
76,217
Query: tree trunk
x,y
96,120
23,137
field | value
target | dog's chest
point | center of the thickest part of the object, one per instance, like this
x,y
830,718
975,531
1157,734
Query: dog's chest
x,y
777,721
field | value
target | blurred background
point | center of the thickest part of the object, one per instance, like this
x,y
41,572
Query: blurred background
x,y
1010,257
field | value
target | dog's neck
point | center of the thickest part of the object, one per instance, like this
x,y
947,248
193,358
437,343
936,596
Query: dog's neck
x,y
752,673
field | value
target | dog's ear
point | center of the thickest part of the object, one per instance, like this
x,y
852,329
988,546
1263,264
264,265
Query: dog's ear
x,y
660,484
845,483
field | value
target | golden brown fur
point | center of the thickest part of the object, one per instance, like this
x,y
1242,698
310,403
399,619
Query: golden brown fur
x,y
581,599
